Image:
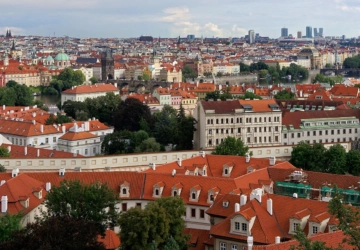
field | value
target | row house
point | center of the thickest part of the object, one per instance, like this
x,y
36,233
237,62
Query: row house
x,y
320,126
255,122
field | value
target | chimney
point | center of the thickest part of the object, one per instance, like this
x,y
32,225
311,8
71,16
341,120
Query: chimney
x,y
152,166
4,107
269,206
14,172
179,162
295,196
243,200
173,172
62,171
2,182
277,240
9,149
42,128
87,126
115,84
38,153
63,129
301,93
25,150
48,186
4,204
272,161
202,153
247,158
250,242
237,207
34,122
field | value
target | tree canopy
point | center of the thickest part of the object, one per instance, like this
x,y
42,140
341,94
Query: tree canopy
x,y
285,95
58,119
8,225
4,152
188,72
93,202
332,80
56,233
231,146
15,94
67,79
153,225
317,158
352,62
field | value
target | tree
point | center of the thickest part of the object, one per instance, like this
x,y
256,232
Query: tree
x,y
188,72
58,119
93,202
71,107
328,65
116,143
349,219
251,96
148,145
213,95
2,168
353,161
8,96
93,80
308,157
146,77
24,95
11,84
186,129
306,244
4,152
142,229
336,160
165,126
263,73
231,146
219,74
244,67
67,79
171,244
285,95
129,114
56,233
8,225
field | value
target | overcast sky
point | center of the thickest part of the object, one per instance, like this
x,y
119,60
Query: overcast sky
x,y
169,18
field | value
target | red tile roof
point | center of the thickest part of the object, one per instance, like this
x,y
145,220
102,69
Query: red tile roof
x,y
111,240
100,87
75,136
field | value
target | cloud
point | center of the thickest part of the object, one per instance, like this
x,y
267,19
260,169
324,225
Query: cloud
x,y
177,14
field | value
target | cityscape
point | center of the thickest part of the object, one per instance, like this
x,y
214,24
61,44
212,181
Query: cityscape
x,y
180,131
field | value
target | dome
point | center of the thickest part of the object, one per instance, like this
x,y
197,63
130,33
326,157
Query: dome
x,y
309,50
49,59
62,57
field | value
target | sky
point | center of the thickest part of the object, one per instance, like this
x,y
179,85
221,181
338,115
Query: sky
x,y
169,18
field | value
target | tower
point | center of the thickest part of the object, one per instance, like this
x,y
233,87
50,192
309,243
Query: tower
x,y
309,32
284,32
315,32
178,43
107,66
251,36
321,30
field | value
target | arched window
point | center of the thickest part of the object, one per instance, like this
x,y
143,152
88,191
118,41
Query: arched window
x,y
226,171
156,192
193,195
124,191
175,193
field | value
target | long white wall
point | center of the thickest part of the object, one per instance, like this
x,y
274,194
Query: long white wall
x,y
133,162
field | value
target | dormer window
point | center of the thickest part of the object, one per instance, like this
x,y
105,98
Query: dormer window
x,y
125,190
227,168
193,195
158,189
157,192
226,171
175,193
315,229
237,226
176,189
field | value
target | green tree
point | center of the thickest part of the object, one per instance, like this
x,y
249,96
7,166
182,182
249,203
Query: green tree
x,y
58,119
263,73
349,219
171,244
165,126
188,72
146,77
148,145
116,143
244,67
308,157
11,84
56,233
142,229
129,114
24,95
8,225
93,202
251,96
306,244
4,152
67,79
94,80
71,107
353,162
186,129
8,96
328,65
231,146
213,95
335,158
285,95
2,168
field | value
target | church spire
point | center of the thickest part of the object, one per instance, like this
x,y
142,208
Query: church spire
x,y
13,46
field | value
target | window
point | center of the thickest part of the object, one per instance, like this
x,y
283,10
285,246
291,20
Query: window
x,y
124,207
298,135
54,139
295,226
157,192
285,136
276,138
202,213
243,226
175,193
86,151
193,212
193,195
46,140
237,226
308,133
210,131
124,191
138,204
332,132
94,150
326,132
234,247
315,229
344,131
239,130
222,246
314,133
292,135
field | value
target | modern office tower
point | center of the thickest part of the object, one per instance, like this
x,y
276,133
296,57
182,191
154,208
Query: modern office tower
x,y
321,30
308,32
316,32
299,34
190,37
284,32
251,36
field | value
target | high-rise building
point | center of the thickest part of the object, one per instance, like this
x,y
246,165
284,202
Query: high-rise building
x,y
316,32
309,32
251,36
284,32
299,34
321,30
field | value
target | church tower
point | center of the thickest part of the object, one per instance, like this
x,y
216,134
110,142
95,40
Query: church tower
x,y
107,66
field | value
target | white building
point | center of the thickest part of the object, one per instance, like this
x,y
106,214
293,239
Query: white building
x,y
82,92
256,122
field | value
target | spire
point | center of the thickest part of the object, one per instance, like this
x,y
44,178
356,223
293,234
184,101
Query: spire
x,y
13,46
7,33
179,41
123,50
159,40
10,33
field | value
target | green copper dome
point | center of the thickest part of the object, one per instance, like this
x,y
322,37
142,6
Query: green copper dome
x,y
49,59
62,57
